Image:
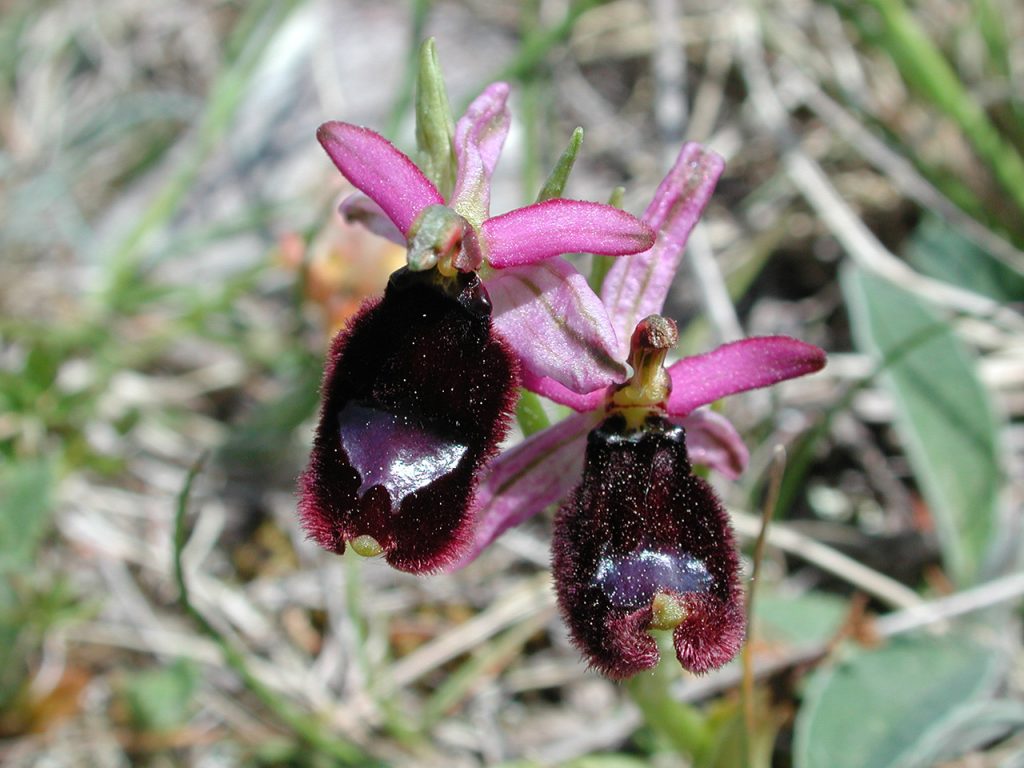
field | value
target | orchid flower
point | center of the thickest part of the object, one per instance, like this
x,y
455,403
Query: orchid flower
x,y
643,543
542,307
419,387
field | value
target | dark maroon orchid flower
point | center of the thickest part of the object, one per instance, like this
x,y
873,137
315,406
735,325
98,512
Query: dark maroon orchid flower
x,y
642,543
420,385
416,396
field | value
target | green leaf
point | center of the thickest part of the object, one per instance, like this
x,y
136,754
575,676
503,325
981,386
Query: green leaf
x,y
940,251
530,413
972,727
877,708
26,505
435,129
801,619
556,181
162,699
943,415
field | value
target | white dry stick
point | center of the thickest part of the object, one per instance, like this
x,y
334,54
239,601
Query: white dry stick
x,y
839,49
167,643
987,595
707,101
858,241
670,113
669,67
900,171
334,664
533,597
878,585
714,293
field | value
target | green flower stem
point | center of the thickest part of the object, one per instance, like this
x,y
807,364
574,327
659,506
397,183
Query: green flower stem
x,y
435,128
682,726
302,724
530,413
925,68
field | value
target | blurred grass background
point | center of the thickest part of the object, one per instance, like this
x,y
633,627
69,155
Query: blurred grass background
x,y
172,269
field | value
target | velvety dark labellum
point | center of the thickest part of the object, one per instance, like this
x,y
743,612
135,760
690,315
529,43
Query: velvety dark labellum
x,y
641,525
417,394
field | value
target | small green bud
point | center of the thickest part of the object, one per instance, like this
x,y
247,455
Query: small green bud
x,y
555,184
435,128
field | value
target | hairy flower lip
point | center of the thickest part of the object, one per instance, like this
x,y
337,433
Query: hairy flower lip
x,y
406,425
376,167
640,525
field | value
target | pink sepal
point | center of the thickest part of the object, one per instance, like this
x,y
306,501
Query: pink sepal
x,y
738,367
357,208
556,324
479,137
552,390
712,441
542,230
376,167
636,286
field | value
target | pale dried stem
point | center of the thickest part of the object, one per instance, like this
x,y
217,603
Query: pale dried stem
x,y
714,293
900,171
878,585
529,599
858,241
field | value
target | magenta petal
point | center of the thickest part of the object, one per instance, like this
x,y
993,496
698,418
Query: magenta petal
x,y
552,390
524,480
712,441
542,230
556,324
636,287
639,526
479,137
376,167
738,367
360,209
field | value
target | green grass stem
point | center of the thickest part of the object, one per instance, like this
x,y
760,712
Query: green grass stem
x,y
928,72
